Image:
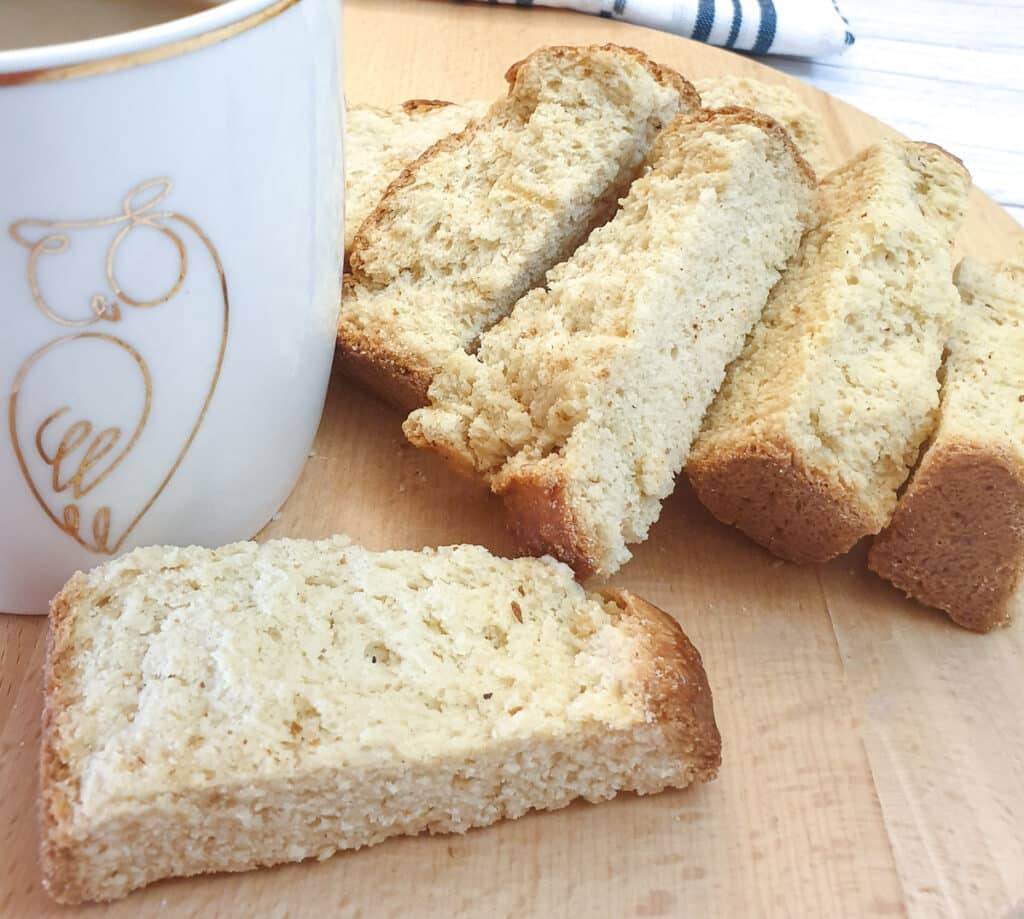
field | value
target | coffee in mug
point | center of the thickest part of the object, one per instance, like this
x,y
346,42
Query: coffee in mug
x,y
31,23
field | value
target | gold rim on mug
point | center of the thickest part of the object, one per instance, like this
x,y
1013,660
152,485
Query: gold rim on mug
x,y
160,52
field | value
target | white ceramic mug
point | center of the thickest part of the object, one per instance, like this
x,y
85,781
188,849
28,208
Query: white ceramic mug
x,y
170,252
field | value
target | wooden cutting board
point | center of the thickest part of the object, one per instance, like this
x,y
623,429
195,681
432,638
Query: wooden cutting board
x,y
873,752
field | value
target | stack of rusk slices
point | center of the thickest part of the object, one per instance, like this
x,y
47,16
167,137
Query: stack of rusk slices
x,y
612,275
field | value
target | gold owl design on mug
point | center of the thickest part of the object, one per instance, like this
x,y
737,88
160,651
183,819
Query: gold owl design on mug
x,y
72,451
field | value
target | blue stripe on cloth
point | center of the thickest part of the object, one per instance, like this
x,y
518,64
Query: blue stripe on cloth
x,y
766,30
710,21
705,20
737,21
848,39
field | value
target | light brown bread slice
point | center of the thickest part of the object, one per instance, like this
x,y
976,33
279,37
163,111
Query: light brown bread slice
x,y
820,420
580,407
778,102
223,710
476,221
381,142
956,540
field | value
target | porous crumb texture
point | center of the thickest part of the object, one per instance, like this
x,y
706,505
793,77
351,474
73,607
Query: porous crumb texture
x,y
381,142
221,710
580,407
778,102
476,221
956,541
821,418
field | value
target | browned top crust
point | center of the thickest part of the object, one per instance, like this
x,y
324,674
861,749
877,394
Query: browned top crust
x,y
956,541
666,76
740,115
674,683
956,159
375,362
792,510
539,506
542,521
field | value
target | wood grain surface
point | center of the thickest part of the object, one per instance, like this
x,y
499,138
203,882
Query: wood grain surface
x,y
873,751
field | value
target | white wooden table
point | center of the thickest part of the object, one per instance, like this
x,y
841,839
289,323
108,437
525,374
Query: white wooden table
x,y
947,71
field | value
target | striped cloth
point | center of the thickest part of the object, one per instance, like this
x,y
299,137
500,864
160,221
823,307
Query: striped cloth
x,y
801,28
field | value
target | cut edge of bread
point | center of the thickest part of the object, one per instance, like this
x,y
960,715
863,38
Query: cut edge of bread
x,y
671,683
760,487
973,572
537,496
